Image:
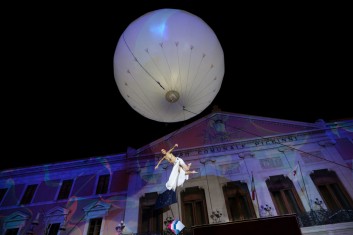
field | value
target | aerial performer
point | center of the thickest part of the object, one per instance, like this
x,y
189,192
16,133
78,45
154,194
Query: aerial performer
x,y
180,171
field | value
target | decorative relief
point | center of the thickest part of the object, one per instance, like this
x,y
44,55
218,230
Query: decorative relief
x,y
246,155
228,169
310,157
284,149
269,163
216,131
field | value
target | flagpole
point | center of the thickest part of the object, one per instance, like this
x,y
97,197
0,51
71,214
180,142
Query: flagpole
x,y
252,177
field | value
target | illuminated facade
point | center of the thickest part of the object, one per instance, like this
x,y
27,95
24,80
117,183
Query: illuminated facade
x,y
248,167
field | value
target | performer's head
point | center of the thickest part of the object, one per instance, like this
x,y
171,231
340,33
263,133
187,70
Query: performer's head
x,y
163,151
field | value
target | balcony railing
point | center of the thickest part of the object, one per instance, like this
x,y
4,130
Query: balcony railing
x,y
321,217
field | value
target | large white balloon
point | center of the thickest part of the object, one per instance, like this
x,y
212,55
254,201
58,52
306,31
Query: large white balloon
x,y
169,65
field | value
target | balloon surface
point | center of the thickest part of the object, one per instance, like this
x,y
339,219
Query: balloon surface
x,y
168,65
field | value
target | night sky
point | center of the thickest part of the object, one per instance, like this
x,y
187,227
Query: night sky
x,y
61,101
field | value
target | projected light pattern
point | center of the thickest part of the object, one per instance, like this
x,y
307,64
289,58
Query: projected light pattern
x,y
252,162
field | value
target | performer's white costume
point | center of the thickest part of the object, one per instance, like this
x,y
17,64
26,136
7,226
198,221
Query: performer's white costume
x,y
177,176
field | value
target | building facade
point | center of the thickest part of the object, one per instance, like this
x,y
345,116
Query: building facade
x,y
248,167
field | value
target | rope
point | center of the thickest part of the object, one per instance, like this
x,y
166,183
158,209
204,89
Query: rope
x,y
288,146
306,192
208,185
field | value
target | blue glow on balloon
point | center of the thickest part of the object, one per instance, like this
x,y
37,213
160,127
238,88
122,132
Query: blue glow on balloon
x,y
159,29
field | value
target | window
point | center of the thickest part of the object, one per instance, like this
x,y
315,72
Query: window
x,y
94,226
55,220
150,220
238,201
284,195
194,209
28,195
2,193
65,189
52,229
103,184
331,190
11,231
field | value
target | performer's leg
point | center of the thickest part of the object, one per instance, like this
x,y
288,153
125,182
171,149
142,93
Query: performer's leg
x,y
190,172
183,165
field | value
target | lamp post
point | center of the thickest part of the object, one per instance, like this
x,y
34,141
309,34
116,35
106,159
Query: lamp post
x,y
119,229
318,203
266,210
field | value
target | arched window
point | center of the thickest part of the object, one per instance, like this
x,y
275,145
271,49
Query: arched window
x,y
284,195
194,208
331,190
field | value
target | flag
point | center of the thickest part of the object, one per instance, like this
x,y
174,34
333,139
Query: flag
x,y
165,199
176,226
253,191
293,173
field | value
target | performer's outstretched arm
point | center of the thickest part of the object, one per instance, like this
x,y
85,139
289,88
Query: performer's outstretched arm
x,y
159,162
170,150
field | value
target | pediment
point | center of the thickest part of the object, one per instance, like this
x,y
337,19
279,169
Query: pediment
x,y
222,127
57,211
97,206
96,209
15,220
16,216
